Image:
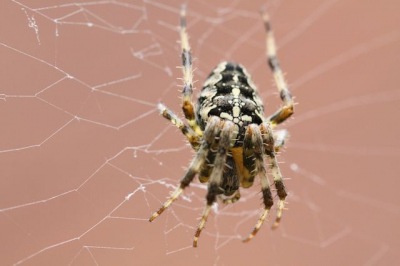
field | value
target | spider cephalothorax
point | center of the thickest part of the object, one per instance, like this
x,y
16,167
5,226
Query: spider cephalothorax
x,y
229,132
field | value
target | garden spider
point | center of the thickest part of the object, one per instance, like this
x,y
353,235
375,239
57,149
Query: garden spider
x,y
229,132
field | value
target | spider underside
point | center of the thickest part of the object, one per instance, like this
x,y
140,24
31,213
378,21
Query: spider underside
x,y
229,132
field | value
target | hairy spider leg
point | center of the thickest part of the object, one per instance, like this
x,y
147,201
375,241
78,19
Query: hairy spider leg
x,y
216,175
187,93
211,132
192,137
288,108
253,141
268,140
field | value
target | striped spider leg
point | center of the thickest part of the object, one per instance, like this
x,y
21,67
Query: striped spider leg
x,y
260,139
211,132
288,107
214,186
253,141
187,93
279,116
192,137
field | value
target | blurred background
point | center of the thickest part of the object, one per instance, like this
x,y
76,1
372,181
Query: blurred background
x,y
85,158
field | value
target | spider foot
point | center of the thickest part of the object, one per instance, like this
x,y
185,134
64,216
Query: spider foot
x,y
279,212
258,225
201,225
173,197
281,191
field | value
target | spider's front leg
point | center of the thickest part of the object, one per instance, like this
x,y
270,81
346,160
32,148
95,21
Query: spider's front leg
x,y
211,132
269,143
216,175
253,141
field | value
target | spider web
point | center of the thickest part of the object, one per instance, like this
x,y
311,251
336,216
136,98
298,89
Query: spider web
x,y
85,157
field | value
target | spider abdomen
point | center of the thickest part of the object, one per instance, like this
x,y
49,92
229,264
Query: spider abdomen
x,y
230,94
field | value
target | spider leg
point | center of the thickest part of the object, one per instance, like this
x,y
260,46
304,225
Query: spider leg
x,y
280,137
216,175
206,169
253,140
187,104
212,130
193,138
268,140
287,109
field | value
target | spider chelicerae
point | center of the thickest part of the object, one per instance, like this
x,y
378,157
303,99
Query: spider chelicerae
x,y
229,132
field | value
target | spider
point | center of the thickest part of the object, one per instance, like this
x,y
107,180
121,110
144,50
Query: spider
x,y
229,132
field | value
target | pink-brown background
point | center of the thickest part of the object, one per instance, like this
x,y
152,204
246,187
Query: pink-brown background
x,y
85,158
